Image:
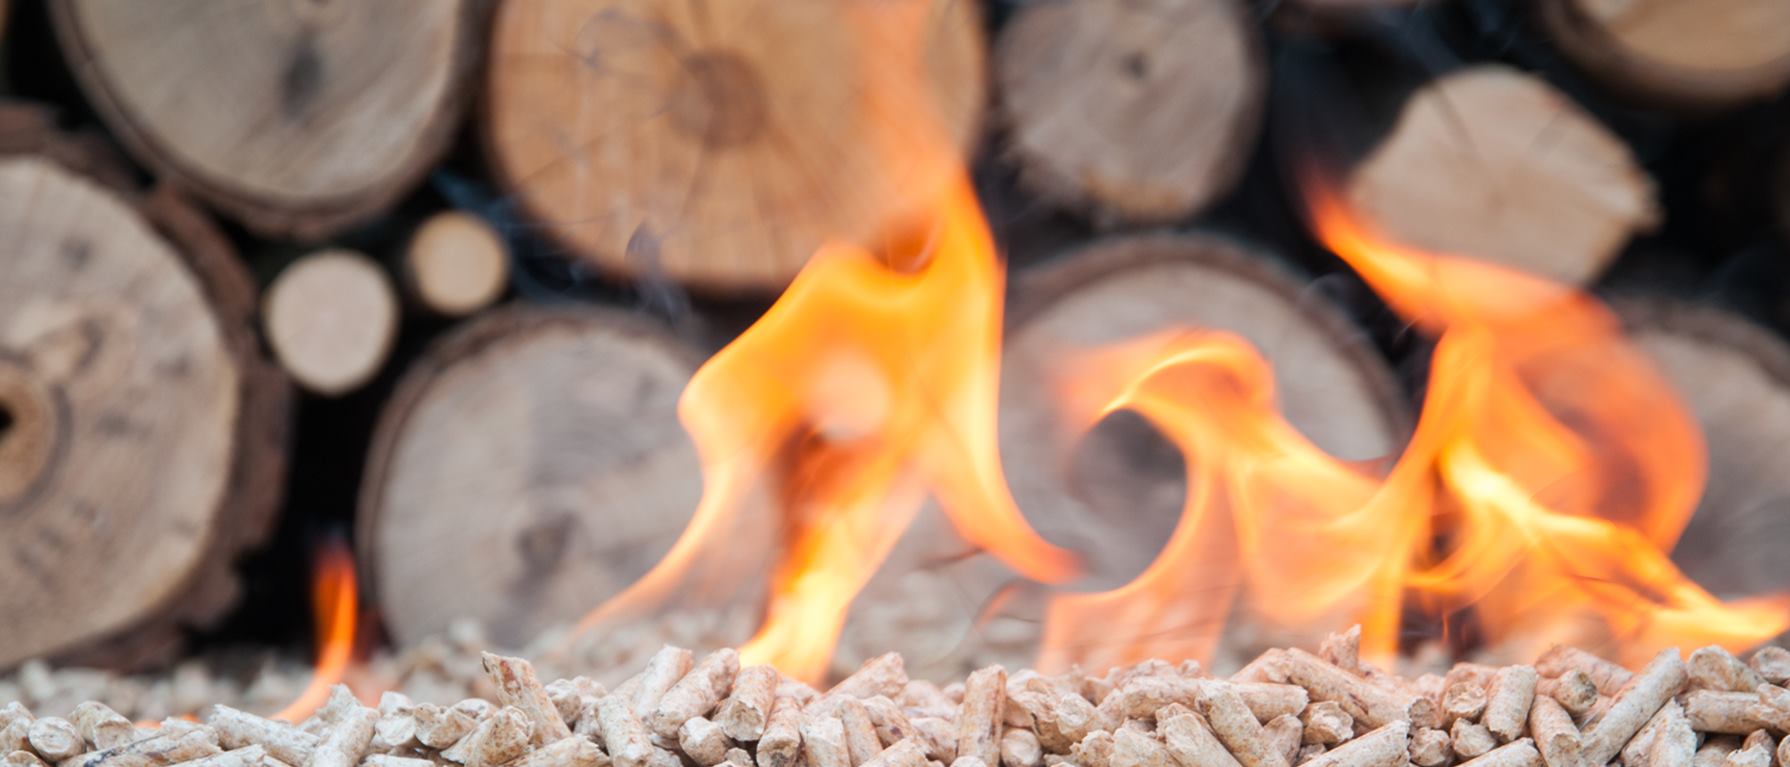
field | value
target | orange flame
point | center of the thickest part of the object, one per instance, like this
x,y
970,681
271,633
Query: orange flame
x,y
334,604
863,387
1550,471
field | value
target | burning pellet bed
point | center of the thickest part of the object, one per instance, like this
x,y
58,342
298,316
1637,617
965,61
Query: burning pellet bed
x,y
1289,707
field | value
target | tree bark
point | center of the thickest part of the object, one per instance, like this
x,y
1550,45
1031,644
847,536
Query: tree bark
x,y
297,117
141,432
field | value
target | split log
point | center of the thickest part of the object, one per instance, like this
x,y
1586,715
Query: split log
x,y
1734,377
1138,111
1698,55
331,318
1494,164
719,144
1124,480
297,117
141,433
455,264
526,468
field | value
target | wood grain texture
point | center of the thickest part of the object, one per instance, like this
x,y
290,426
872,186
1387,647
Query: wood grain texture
x,y
717,144
331,318
1705,54
527,468
1144,110
298,117
1494,164
455,264
1734,377
143,446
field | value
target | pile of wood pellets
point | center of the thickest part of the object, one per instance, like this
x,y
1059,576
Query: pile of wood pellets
x,y
1285,708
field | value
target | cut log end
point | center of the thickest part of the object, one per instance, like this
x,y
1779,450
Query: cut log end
x,y
718,145
1695,55
1734,377
297,118
526,468
1494,164
456,264
1141,111
331,318
139,431
1124,479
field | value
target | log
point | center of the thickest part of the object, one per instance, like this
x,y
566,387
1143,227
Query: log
x,y
331,318
1494,164
1695,55
1138,111
719,144
1124,480
141,433
455,264
526,468
297,118
1734,377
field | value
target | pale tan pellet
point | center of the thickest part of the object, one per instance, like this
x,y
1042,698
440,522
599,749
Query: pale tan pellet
x,y
979,715
624,736
1507,701
1382,747
1518,753
55,738
237,729
903,753
518,688
1327,723
102,727
1238,729
823,742
1190,742
1662,678
698,693
747,709
703,741
1020,748
884,674
1471,739
1431,748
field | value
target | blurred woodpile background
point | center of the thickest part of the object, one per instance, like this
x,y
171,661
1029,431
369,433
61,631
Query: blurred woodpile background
x,y
435,271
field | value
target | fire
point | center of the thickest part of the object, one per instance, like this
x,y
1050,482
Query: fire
x,y
1550,472
862,389
334,603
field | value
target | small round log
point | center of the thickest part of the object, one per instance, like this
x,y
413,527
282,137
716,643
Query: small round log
x,y
1124,481
141,434
1734,377
1136,111
1494,164
527,468
718,144
331,318
1700,55
298,117
455,264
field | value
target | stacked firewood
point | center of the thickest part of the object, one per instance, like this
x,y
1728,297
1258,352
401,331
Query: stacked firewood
x,y
1288,707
